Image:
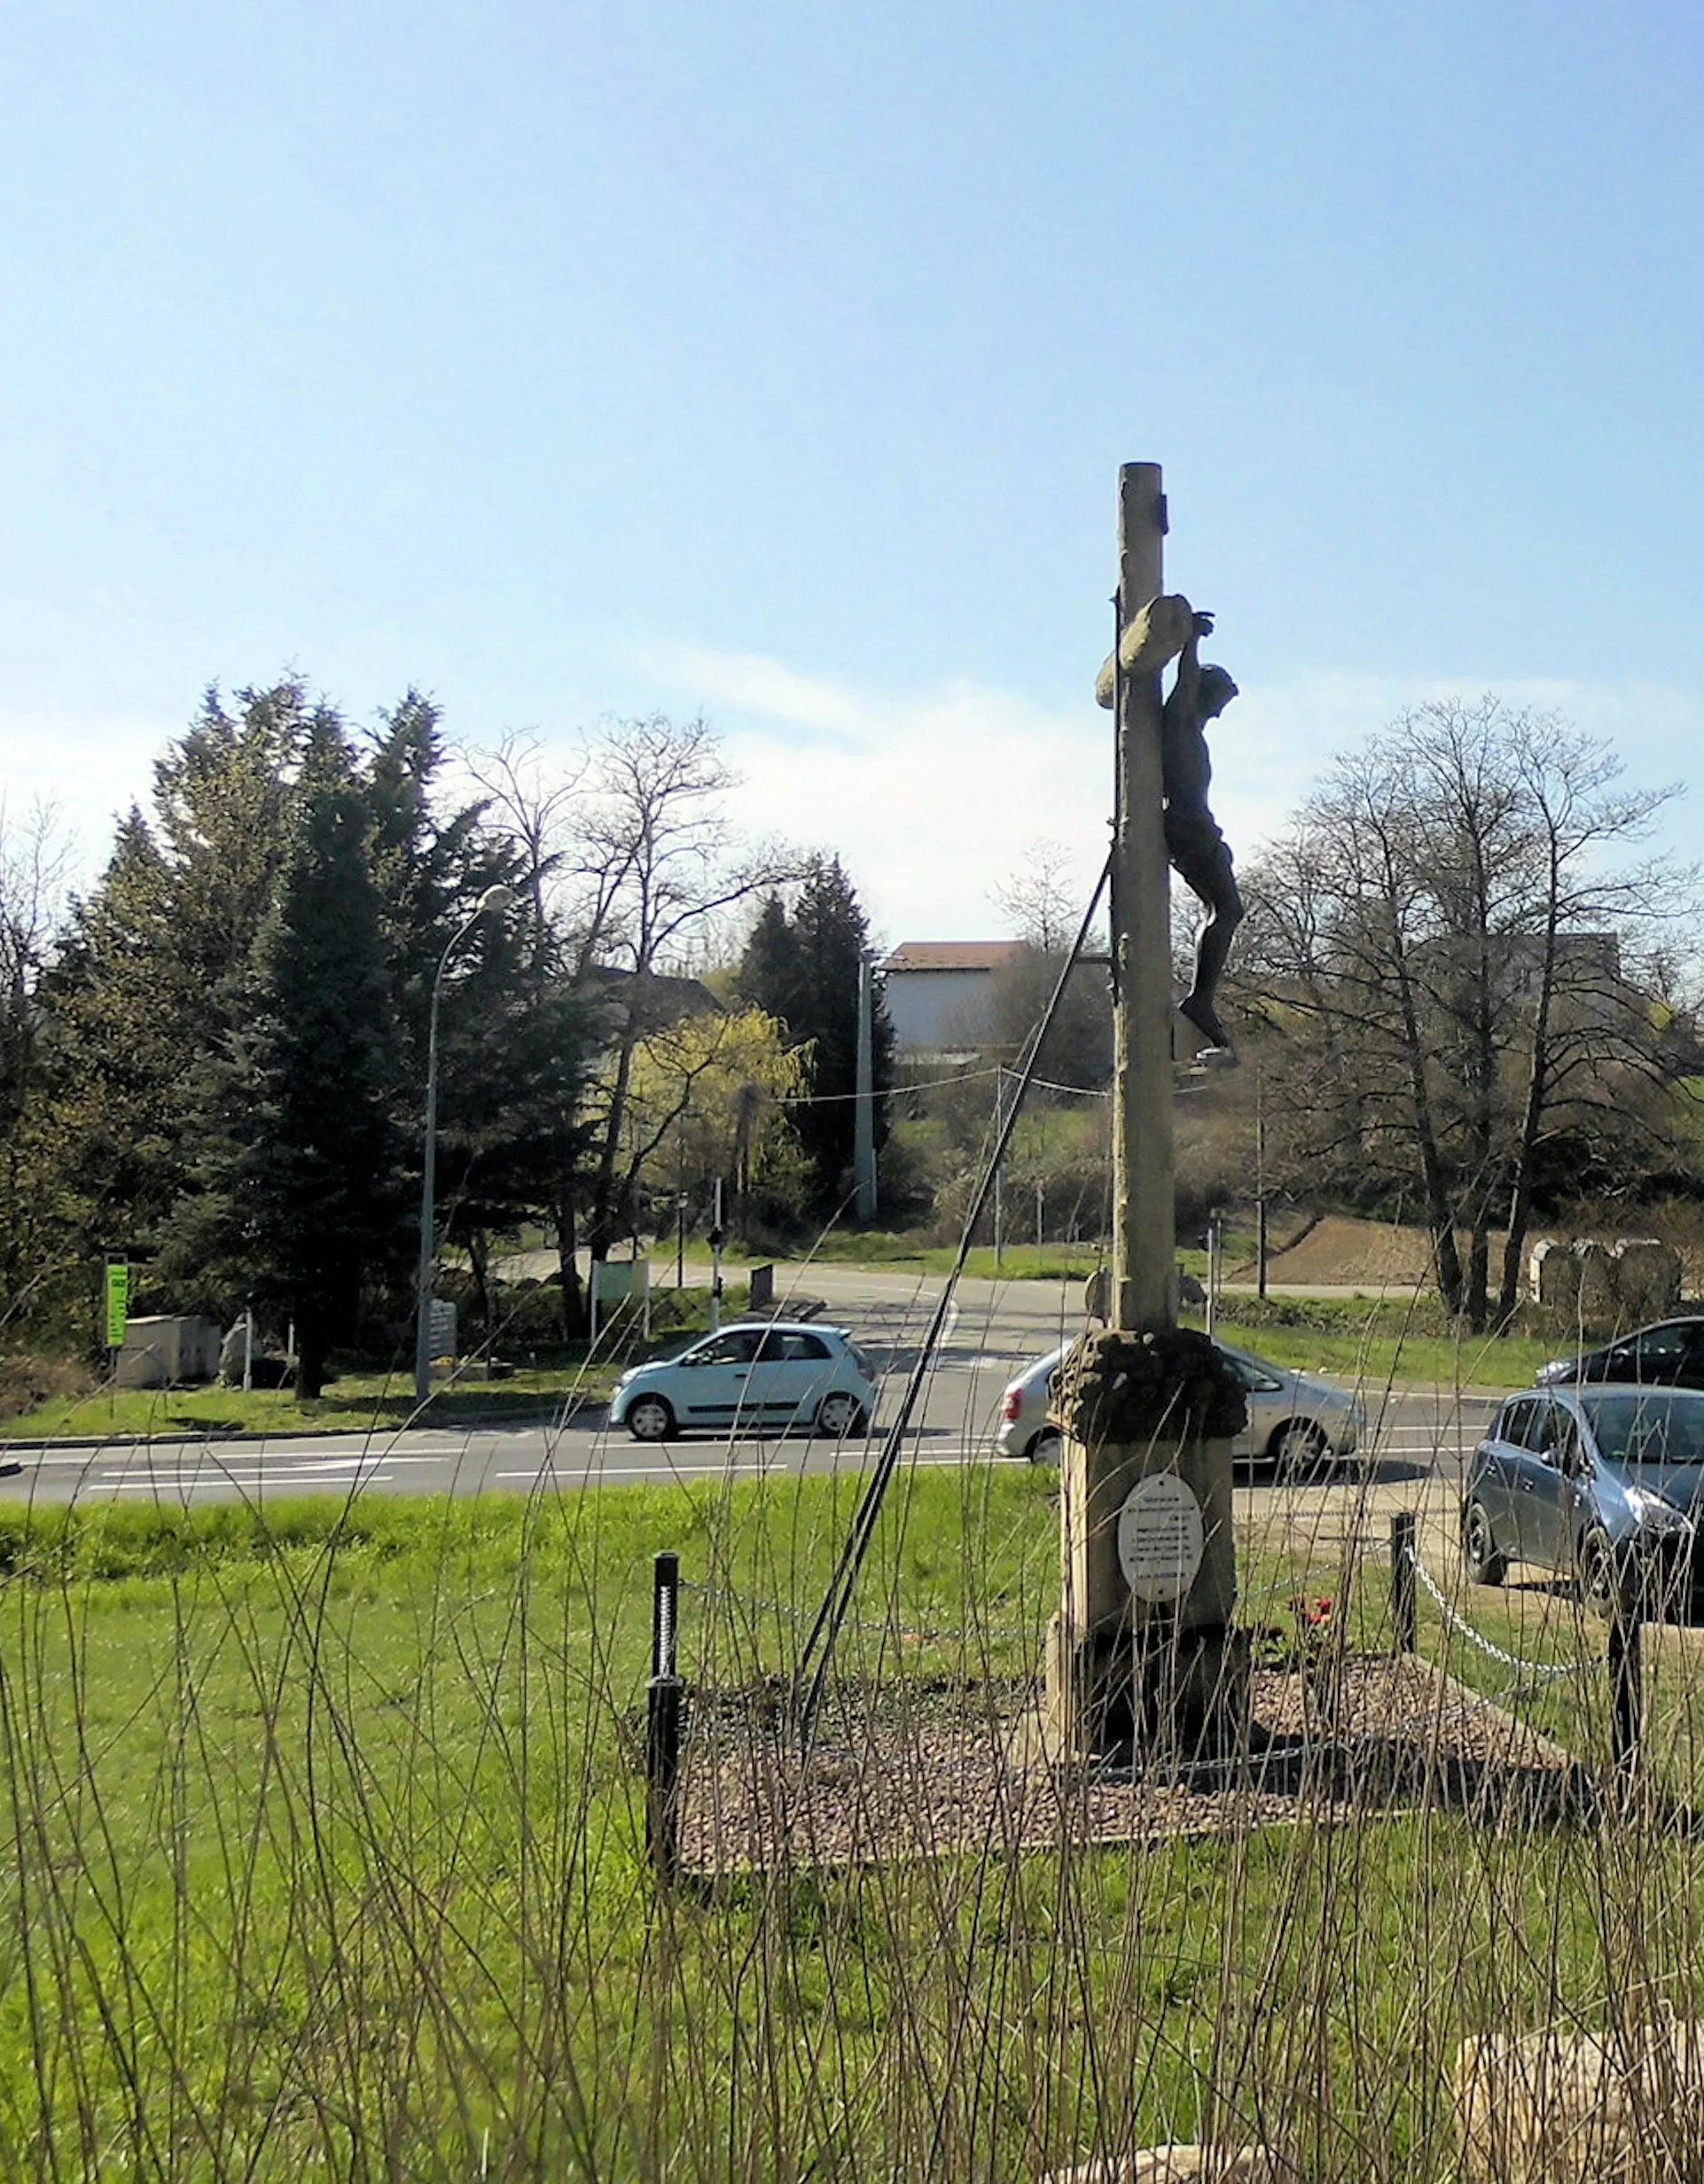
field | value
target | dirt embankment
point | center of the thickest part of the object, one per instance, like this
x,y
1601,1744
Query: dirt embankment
x,y
1359,1254
1339,1250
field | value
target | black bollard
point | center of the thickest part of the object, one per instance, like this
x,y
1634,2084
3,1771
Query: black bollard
x,y
1404,1590
663,1708
1626,1691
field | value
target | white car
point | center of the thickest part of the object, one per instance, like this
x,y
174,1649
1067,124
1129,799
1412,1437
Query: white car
x,y
1295,1421
763,1375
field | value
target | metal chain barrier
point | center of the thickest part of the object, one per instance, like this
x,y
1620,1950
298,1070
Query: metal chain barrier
x,y
800,1615
1527,1671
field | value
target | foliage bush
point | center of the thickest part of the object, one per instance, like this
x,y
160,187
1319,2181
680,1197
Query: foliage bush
x,y
28,1379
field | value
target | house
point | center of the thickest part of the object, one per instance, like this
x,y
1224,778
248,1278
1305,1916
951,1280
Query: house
x,y
937,993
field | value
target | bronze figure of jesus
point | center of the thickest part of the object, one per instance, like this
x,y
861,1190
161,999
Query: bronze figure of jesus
x,y
1195,844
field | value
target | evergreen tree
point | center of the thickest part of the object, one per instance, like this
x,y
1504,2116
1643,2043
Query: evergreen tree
x,y
302,1190
768,974
514,1042
150,981
154,982
515,1051
115,1045
804,970
150,1014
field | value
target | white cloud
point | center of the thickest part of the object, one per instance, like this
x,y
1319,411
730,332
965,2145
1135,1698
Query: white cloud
x,y
88,768
932,799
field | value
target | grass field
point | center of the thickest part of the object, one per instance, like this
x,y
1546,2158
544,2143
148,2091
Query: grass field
x,y
359,1402
323,1855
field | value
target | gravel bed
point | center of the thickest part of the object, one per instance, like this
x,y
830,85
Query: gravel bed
x,y
925,1769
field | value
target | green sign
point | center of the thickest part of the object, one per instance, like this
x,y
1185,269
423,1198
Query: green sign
x,y
118,1302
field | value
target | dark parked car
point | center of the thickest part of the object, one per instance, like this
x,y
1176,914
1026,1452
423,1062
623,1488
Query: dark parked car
x,y
1606,1483
1670,1355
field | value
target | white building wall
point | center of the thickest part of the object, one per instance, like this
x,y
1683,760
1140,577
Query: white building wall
x,y
934,1009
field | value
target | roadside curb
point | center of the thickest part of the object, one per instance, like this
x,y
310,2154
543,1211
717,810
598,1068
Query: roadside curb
x,y
237,1436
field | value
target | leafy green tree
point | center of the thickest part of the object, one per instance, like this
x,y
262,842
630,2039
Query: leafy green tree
x,y
302,1189
711,1095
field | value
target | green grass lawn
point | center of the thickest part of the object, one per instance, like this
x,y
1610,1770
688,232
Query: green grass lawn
x,y
323,1855
1377,1357
355,1402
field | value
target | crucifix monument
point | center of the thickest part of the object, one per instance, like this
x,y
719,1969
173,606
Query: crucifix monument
x,y
1141,1654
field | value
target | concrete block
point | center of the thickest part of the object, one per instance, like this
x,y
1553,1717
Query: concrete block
x,y
167,1350
1595,1296
1550,1274
1647,1277
1181,2164
1559,2107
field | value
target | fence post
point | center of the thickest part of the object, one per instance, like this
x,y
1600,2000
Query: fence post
x,y
1404,1601
663,1697
1626,1691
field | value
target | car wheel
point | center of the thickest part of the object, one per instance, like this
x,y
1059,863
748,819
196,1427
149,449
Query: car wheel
x,y
1299,1449
1480,1559
1045,1447
650,1419
1602,1586
838,1416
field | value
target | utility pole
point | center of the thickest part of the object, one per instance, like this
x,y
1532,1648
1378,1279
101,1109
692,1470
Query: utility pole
x,y
717,1237
1259,1177
999,1168
863,1142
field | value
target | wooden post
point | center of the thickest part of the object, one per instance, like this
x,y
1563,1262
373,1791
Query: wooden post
x,y
1404,1589
1144,1284
664,1698
864,1116
1626,1691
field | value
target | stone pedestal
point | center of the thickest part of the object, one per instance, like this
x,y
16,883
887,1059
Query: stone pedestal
x,y
1141,1656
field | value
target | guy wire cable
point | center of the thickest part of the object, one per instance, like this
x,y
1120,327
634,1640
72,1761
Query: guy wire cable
x,y
838,1600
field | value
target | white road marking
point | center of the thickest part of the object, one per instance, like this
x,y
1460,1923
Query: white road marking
x,y
591,1471
164,1480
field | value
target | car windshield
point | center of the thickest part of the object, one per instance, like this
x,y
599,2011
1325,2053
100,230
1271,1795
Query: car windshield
x,y
1647,1429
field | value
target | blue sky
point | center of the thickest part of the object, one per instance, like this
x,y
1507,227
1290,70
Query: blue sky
x,y
574,360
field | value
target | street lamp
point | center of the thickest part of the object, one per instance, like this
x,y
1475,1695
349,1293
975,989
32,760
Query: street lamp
x,y
498,897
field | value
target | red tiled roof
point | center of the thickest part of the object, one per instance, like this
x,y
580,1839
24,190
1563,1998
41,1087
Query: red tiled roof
x,y
952,954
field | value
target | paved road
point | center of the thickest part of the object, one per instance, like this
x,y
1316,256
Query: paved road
x,y
992,1330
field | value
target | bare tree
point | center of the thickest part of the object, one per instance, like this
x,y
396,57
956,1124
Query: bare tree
x,y
655,869
1453,959
530,802
1044,898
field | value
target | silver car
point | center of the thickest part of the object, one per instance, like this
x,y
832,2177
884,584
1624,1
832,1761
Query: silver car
x,y
1603,1482
769,1375
1295,1421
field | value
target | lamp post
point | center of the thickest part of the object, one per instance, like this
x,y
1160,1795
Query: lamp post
x,y
498,897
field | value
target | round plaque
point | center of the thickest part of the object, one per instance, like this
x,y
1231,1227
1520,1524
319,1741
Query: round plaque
x,y
1160,1538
